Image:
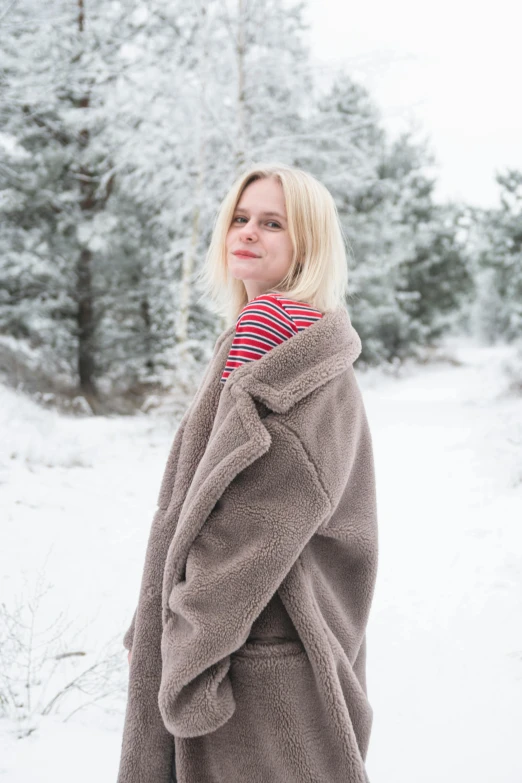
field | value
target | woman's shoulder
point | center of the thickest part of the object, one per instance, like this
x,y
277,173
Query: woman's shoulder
x,y
274,304
265,322
269,301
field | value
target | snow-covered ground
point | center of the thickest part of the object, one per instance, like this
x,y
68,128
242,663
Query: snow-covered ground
x,y
445,635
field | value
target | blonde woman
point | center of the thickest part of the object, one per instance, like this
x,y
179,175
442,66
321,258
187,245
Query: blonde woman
x,y
247,648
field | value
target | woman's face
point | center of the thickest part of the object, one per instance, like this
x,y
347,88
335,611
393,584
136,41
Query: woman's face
x,y
260,229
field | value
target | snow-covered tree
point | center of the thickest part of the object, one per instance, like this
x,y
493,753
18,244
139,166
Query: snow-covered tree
x,y
57,186
496,237
407,273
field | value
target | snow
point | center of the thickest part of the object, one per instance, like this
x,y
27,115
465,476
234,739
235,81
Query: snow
x,y
444,665
445,639
9,144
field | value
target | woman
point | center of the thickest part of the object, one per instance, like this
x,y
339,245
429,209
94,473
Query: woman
x,y
249,639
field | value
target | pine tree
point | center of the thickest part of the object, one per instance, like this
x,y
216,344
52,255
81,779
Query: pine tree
x,y
60,186
497,239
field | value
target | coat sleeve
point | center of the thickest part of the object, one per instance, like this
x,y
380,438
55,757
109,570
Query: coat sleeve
x,y
245,549
169,475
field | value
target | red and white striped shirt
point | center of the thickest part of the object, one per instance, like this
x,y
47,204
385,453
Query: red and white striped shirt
x,y
266,321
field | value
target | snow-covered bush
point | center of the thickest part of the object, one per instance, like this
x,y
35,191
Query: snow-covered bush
x,y
45,667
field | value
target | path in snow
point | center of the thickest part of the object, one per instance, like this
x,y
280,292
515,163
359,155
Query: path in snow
x,y
445,639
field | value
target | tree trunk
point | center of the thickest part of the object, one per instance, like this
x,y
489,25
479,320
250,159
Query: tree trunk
x,y
145,314
241,98
85,322
190,254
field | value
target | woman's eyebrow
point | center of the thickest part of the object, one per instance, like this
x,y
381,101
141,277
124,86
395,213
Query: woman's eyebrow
x,y
264,214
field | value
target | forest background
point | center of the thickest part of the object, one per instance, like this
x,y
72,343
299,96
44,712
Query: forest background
x,y
122,126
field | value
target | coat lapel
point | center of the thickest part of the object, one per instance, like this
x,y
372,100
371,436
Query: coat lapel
x,y
301,364
234,433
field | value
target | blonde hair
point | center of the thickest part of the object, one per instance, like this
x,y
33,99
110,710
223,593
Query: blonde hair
x,y
318,273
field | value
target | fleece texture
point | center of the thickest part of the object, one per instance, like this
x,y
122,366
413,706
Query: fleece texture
x,y
249,637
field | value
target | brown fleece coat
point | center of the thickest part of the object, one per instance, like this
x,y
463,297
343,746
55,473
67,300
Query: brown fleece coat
x,y
248,641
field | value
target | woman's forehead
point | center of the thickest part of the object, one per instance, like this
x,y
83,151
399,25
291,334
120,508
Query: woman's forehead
x,y
267,199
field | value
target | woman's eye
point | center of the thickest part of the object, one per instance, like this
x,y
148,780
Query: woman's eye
x,y
270,223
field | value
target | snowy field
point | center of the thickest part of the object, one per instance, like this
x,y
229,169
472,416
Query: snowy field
x,y
445,635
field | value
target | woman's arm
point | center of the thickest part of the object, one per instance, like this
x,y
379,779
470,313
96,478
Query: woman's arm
x,y
245,549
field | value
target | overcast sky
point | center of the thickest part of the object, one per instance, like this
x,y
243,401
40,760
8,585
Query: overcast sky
x,y
455,67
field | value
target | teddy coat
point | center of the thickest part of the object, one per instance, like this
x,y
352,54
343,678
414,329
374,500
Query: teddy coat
x,y
249,637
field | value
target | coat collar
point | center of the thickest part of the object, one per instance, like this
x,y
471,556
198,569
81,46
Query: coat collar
x,y
290,371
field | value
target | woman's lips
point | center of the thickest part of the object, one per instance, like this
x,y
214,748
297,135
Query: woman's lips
x,y
245,254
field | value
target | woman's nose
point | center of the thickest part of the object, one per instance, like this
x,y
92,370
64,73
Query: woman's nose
x,y
248,230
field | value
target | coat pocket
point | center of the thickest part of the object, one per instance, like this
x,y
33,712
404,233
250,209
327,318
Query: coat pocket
x,y
281,730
